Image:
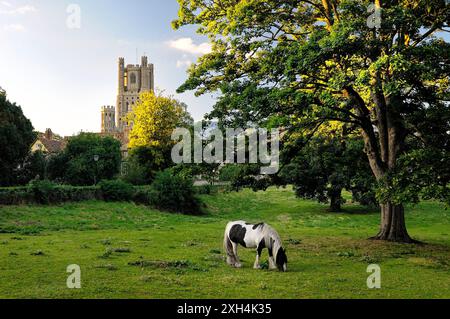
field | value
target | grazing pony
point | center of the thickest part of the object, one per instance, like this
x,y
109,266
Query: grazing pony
x,y
257,236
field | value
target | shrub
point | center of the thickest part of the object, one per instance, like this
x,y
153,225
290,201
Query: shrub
x,y
144,162
204,189
142,196
116,190
76,194
42,191
174,193
229,172
208,189
76,165
135,173
16,196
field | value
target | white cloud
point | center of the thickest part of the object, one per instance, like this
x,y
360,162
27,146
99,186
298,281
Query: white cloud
x,y
6,4
184,63
14,28
15,11
187,45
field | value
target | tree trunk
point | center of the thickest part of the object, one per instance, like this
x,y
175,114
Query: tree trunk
x,y
335,201
383,146
393,227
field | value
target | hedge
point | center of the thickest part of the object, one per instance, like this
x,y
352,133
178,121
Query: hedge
x,y
54,195
169,192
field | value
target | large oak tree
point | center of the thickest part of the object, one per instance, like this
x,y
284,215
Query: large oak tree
x,y
312,61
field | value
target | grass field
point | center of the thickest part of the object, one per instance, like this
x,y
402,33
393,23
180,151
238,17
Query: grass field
x,y
129,251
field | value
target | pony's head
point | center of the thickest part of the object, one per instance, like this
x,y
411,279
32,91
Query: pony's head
x,y
281,259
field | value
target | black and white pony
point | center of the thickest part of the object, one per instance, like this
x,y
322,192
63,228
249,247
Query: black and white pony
x,y
257,236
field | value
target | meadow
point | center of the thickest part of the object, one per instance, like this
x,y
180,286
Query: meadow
x,y
130,251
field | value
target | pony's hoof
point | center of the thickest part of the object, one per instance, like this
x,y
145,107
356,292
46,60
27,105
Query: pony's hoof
x,y
238,265
257,267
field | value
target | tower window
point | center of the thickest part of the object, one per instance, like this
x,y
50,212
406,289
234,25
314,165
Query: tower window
x,y
133,78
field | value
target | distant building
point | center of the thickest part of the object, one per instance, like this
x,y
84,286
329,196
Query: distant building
x,y
49,143
133,80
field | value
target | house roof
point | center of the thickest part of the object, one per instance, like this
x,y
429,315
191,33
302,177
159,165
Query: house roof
x,y
52,143
53,146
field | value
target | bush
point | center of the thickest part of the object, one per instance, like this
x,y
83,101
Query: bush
x,y
141,196
77,194
135,174
229,172
144,162
116,190
204,189
16,196
76,165
42,191
174,193
209,189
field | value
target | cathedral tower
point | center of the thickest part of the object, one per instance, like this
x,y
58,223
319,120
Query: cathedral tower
x,y
108,119
133,80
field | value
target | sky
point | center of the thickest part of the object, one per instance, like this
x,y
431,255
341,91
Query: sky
x,y
61,75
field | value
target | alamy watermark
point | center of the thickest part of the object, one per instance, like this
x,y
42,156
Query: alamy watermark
x,y
74,279
374,280
73,20
374,20
232,145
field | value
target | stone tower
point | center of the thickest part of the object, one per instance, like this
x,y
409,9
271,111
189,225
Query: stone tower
x,y
133,80
108,119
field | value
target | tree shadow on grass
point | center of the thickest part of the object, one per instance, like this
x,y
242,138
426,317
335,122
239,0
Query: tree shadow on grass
x,y
356,210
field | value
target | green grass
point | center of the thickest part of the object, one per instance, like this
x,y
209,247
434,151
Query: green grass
x,y
129,251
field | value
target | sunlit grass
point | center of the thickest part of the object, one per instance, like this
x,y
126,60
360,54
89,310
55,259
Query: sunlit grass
x,y
129,251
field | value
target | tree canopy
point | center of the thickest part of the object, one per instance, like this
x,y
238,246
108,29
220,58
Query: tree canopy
x,y
87,159
16,138
322,167
154,118
302,63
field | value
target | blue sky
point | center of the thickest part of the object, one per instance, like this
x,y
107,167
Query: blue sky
x,y
61,76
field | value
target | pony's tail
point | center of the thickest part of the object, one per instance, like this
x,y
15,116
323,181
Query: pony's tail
x,y
228,247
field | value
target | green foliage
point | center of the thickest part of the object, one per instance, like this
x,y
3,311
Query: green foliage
x,y
174,193
16,196
186,170
136,174
154,117
45,192
419,175
145,161
321,167
142,195
116,190
306,63
76,165
229,172
247,176
207,189
16,137
42,191
34,167
83,229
